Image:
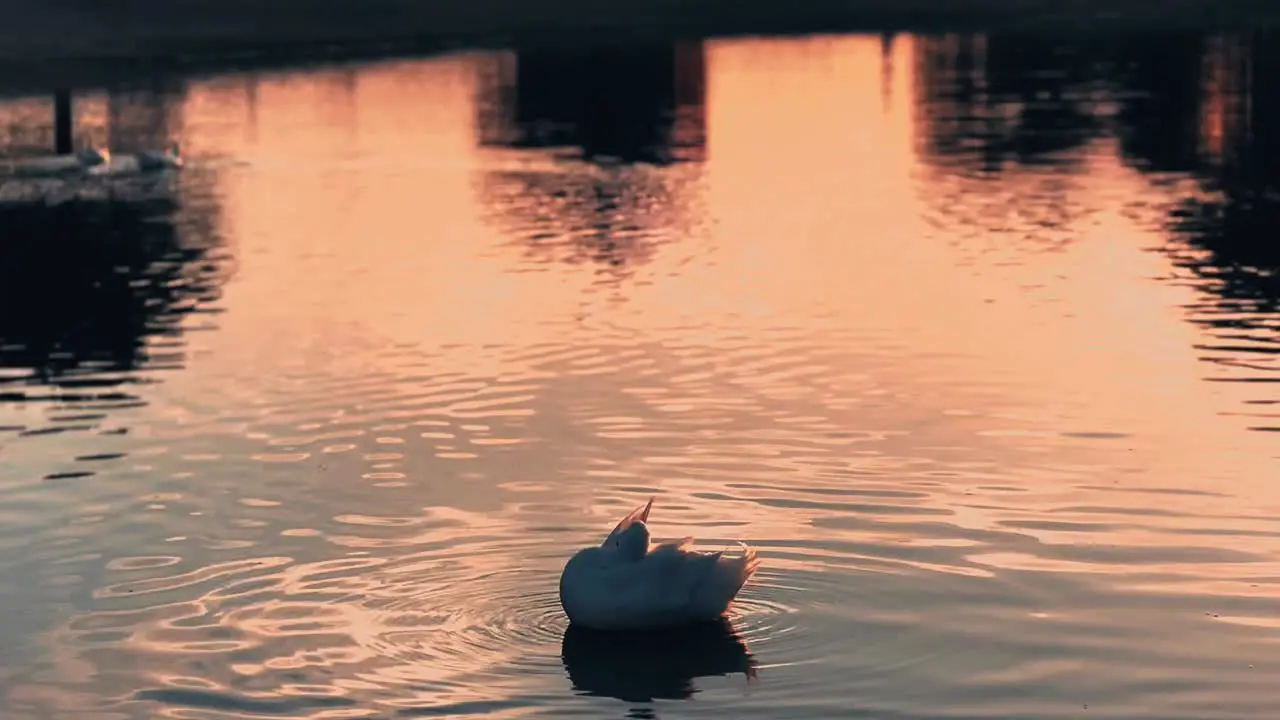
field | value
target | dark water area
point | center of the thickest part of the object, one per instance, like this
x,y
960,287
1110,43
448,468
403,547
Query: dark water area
x,y
972,336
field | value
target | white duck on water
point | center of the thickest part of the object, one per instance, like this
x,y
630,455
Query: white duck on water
x,y
628,584
103,162
86,159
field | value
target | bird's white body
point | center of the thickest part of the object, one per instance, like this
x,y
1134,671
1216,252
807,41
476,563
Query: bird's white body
x,y
80,161
170,157
130,163
626,583
100,161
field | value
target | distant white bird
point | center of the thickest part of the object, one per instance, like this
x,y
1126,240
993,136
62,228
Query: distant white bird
x,y
170,157
86,159
143,161
626,584
90,156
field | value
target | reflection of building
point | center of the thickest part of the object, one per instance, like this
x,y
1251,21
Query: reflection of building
x,y
689,129
1238,103
1157,87
637,103
1204,110
634,102
1001,125
951,84
1238,160
1224,94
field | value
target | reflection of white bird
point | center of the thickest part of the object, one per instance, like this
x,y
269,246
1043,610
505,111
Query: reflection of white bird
x,y
648,665
625,583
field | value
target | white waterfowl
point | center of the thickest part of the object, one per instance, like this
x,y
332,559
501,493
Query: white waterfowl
x,y
170,157
626,583
86,159
143,161
90,156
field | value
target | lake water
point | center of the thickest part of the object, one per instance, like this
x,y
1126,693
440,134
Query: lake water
x,y
973,337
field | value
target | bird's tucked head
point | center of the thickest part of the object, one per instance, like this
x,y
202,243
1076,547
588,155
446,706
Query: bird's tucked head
x,y
631,543
92,156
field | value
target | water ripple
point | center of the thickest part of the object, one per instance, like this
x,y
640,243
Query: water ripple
x,y
316,440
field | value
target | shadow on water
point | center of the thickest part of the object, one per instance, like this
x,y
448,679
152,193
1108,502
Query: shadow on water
x,y
647,666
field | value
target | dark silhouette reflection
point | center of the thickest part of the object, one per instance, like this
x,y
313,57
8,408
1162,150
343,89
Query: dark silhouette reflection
x,y
985,100
96,273
886,68
96,285
623,109
614,218
1241,258
1007,125
1158,87
633,102
1003,122
641,667
1202,106
1227,232
1238,161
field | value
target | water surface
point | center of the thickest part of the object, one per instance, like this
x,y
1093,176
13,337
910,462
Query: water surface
x,y
973,337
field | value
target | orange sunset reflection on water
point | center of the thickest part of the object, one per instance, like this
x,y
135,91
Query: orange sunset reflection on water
x,y
925,319
407,201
